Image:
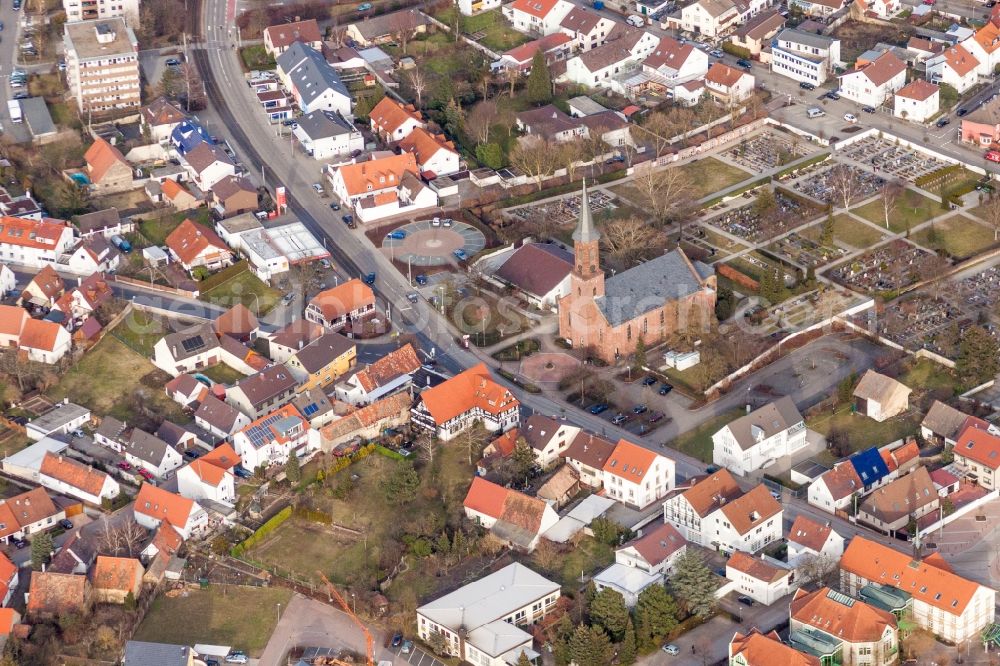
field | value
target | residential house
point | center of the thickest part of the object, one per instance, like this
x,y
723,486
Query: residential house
x,y
197,347
183,389
756,440
561,487
917,101
210,477
271,439
469,397
942,424
317,407
819,8
880,397
655,552
977,452
366,423
513,517
587,28
12,320
160,118
155,507
52,595
8,583
44,289
473,7
852,630
178,196
206,164
322,361
711,18
107,169
26,514
609,65
728,85
234,195
381,187
41,340
263,392
114,578
102,66
105,223
180,438
62,419
805,56
94,255
277,38
954,66
588,454
636,476
550,123
435,154
671,65
188,134
756,33
393,121
555,48
808,539
874,83
325,134
149,452
883,9
314,84
941,602
350,302
110,432
238,322
219,418
389,374
141,653
982,126
835,489
548,438
482,622
945,482
922,48
757,649
626,581
89,294
194,245
985,45
33,243
540,271
762,581
7,281
69,477
537,17
374,30
294,336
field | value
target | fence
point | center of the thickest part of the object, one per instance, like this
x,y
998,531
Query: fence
x,y
958,513
155,287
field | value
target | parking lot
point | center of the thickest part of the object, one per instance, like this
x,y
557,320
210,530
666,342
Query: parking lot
x,y
416,656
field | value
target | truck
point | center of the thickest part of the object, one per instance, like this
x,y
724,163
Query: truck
x,y
14,108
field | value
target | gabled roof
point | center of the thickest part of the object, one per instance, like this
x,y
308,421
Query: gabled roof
x,y
56,593
223,456
752,509
40,334
959,59
281,425
390,407
535,270
841,616
988,37
389,115
12,319
505,504
298,31
900,455
881,71
425,145
238,321
466,391
205,155
715,490
267,384
669,52
590,450
395,364
230,186
378,174
634,292
505,444
756,568
323,351
760,650
524,53
189,240
979,444
217,413
392,23
923,580
765,422
724,75
98,220
101,157
147,447
322,124
918,89
581,20
537,8
163,505
658,544
869,466
807,533
944,420
43,235
716,8
343,299
310,73
208,473
74,474
297,334
48,282
118,574
161,112
630,461
28,508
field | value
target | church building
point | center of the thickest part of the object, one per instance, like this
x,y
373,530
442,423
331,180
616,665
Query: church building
x,y
652,300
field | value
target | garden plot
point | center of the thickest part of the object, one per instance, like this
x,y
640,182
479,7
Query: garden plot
x,y
807,252
767,150
754,223
565,210
827,185
886,157
887,268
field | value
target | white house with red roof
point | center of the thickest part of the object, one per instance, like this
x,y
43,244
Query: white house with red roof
x,y
512,516
194,245
711,18
271,439
655,552
876,82
613,63
985,44
808,539
33,243
473,7
381,187
977,452
537,17
762,581
471,396
728,85
883,9
554,47
918,101
672,63
393,121
154,507
636,476
435,154
954,66
210,476
863,633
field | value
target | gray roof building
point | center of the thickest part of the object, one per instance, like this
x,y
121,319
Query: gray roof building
x,y
324,124
323,351
36,115
806,38
267,384
58,418
147,447
649,285
769,420
141,653
310,72
377,27
217,413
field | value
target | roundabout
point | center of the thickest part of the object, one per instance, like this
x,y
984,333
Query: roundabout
x,y
425,244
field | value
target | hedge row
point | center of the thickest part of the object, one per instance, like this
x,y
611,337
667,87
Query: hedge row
x,y
313,515
275,521
389,453
738,51
738,277
937,174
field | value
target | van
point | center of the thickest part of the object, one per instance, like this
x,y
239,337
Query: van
x,y
815,112
635,21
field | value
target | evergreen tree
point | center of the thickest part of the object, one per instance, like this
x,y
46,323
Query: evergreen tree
x,y
655,614
293,470
458,546
443,544
490,155
563,633
539,81
977,356
401,485
590,646
454,117
523,459
608,610
523,660
627,651
694,584
589,592
826,234
41,548
639,358
811,275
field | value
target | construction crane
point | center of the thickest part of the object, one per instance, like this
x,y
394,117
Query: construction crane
x,y
369,641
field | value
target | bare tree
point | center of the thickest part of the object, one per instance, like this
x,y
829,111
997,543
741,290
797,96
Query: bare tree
x,y
991,214
123,538
510,76
401,27
665,193
661,128
594,146
569,154
818,569
480,120
844,183
890,193
428,444
630,238
535,157
419,84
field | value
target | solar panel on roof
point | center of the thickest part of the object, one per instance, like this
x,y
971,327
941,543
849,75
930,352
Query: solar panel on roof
x,y
192,343
310,409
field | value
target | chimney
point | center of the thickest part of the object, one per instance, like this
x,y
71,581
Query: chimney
x,y
748,408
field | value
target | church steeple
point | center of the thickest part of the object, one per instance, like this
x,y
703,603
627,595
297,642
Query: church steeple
x,y
586,242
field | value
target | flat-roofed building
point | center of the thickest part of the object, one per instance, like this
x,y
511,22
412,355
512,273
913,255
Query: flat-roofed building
x,y
102,66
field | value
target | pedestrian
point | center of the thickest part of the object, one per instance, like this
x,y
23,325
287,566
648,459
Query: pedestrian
x,y
693,649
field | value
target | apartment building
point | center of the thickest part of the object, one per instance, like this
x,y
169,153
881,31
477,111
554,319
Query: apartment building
x,y
87,10
804,56
102,66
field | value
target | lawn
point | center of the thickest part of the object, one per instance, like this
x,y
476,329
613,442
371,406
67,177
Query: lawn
x,y
499,35
698,442
255,57
861,431
222,374
141,331
928,376
246,288
113,379
242,617
587,557
305,547
848,231
912,208
957,235
708,176
157,229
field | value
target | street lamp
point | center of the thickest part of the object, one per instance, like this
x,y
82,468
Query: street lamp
x,y
278,616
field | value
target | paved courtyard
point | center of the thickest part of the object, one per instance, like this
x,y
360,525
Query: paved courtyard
x,y
428,245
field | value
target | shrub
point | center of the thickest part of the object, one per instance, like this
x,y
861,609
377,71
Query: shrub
x,y
737,51
272,524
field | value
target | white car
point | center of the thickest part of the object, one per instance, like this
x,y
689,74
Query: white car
x,y
635,21
672,649
850,117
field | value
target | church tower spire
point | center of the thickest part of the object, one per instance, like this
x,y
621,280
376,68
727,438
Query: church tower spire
x,y
586,241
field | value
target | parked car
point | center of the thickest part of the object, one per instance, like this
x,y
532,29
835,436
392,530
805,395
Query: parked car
x,y
834,95
146,474
413,297
237,657
850,117
19,543
397,640
744,63
364,6
962,112
599,407
942,122
173,62
66,524
716,53
665,388
619,419
334,206
436,222
460,254
672,650
711,469
805,85
868,109
242,472
16,4
746,601
398,234
192,454
655,417
78,433
640,409
348,220
369,279
648,380
319,188
447,222
421,279
407,647
124,465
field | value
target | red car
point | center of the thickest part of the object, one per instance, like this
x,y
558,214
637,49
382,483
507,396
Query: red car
x,y
124,465
146,474
992,155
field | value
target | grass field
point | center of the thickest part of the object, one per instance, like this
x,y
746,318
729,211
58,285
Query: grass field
x,y
141,331
698,442
245,288
708,177
157,229
848,231
862,431
221,615
929,376
957,235
111,378
222,374
256,57
499,35
912,209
